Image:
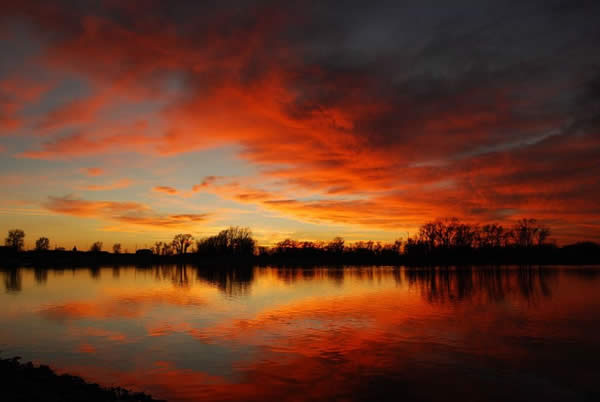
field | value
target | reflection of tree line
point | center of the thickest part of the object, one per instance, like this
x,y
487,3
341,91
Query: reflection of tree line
x,y
231,280
436,285
491,284
337,275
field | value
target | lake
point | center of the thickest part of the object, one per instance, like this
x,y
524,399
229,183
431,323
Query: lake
x,y
379,333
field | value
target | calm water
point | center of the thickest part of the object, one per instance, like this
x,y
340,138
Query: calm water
x,y
181,333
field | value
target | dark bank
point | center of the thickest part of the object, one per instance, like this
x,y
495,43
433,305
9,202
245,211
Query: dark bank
x,y
441,242
23,382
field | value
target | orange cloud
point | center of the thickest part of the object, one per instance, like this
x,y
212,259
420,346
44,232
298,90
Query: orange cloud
x,y
119,184
93,171
165,189
131,213
77,207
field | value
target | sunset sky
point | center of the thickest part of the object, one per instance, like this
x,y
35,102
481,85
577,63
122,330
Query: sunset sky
x,y
133,121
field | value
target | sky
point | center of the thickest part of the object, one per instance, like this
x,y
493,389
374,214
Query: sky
x,y
129,122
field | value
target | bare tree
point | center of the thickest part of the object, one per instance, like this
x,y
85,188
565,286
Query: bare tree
x,y
231,241
428,233
528,232
167,249
42,244
117,248
491,235
96,247
336,246
181,242
15,239
542,235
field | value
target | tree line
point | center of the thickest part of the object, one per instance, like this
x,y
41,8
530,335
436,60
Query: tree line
x,y
439,235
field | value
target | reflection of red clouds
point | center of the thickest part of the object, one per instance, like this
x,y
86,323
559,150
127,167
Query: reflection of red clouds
x,y
121,306
327,347
361,337
98,333
87,348
79,310
167,329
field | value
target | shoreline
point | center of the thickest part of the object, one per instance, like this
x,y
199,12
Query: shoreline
x,y
568,255
29,382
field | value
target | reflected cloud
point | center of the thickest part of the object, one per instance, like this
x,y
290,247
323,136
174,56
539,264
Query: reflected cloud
x,y
121,305
327,333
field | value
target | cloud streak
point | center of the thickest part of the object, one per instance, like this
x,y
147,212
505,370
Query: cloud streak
x,y
118,184
125,213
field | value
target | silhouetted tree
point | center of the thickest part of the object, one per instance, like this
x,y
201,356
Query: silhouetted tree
x,y
528,232
42,244
397,246
542,235
96,247
167,249
239,240
181,242
428,234
235,241
336,246
117,248
286,246
491,235
15,239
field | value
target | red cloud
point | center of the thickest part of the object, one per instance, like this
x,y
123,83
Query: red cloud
x,y
15,93
371,151
76,111
81,144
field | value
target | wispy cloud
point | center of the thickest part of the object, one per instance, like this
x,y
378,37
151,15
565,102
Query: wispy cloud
x,y
126,213
115,185
165,189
